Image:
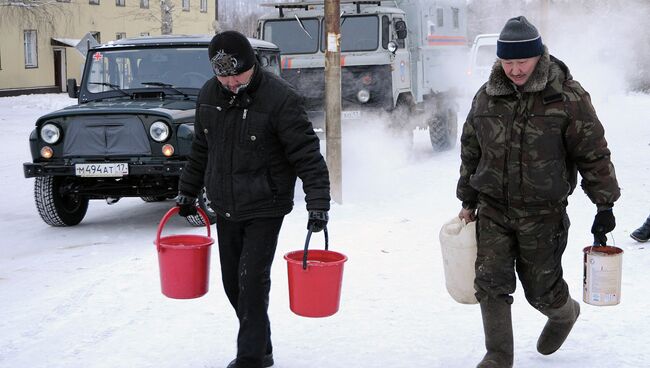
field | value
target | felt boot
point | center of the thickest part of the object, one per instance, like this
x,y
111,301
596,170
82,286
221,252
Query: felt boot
x,y
497,325
557,328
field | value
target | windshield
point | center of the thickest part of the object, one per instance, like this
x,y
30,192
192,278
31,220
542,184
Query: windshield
x,y
144,68
358,33
486,55
290,37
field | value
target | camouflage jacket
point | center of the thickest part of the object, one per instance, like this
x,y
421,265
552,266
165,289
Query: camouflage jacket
x,y
521,148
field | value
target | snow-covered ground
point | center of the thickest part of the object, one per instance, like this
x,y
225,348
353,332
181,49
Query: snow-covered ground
x,y
89,295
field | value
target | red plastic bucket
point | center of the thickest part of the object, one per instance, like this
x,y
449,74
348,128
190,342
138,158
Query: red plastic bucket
x,y
184,261
315,279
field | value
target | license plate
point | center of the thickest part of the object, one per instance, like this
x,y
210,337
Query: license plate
x,y
349,115
102,170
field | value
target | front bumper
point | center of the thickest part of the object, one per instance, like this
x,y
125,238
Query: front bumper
x,y
39,169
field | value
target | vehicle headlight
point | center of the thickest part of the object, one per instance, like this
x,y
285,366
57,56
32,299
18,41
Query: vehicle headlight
x,y
392,46
50,133
363,95
159,131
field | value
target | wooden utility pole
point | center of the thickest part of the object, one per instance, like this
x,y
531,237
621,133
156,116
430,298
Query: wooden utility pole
x,y
333,97
216,9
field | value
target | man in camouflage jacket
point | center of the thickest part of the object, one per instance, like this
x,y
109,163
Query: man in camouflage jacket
x,y
531,128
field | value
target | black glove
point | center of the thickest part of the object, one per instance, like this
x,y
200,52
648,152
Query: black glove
x,y
317,220
186,204
604,222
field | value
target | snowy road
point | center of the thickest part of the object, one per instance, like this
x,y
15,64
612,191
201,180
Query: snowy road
x,y
89,296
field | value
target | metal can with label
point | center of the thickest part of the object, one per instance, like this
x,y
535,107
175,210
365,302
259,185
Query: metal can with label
x,y
603,266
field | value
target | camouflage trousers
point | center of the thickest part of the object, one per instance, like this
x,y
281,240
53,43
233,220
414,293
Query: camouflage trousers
x,y
531,246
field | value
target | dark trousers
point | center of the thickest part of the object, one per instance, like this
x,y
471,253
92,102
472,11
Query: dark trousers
x,y
246,251
531,246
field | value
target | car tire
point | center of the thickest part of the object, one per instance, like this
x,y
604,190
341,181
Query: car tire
x,y
54,208
443,130
204,203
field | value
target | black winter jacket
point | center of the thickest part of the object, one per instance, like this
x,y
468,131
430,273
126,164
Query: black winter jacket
x,y
248,149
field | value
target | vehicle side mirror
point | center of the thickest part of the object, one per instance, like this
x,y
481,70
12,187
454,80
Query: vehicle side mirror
x,y
262,60
71,85
400,29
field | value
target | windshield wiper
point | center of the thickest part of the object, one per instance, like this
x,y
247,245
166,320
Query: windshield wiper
x,y
302,26
113,86
165,85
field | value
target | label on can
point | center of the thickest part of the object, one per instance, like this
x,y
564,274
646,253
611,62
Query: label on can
x,y
602,277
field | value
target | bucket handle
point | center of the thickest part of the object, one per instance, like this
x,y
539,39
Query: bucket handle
x,y
304,255
172,211
597,243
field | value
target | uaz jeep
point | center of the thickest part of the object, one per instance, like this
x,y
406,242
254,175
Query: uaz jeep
x,y
130,134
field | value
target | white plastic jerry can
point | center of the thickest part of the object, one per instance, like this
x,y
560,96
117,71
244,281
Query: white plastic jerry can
x,y
458,245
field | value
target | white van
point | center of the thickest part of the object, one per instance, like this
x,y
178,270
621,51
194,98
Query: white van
x,y
481,58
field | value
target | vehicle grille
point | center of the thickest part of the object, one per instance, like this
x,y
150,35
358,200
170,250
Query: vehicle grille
x,y
310,82
113,135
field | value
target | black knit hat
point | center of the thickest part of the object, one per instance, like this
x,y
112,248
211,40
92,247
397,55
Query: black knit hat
x,y
519,40
230,53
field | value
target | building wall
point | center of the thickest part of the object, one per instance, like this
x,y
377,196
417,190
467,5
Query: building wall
x,y
72,20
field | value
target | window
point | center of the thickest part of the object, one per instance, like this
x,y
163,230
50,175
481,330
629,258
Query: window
x,y
186,5
93,2
485,55
440,17
130,69
144,4
400,42
144,33
62,1
455,17
120,2
97,35
385,31
120,35
31,50
358,33
204,6
290,37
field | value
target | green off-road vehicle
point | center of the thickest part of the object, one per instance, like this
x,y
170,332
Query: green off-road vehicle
x,y
131,132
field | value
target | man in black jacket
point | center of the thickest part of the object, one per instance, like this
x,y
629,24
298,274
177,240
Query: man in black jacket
x,y
252,138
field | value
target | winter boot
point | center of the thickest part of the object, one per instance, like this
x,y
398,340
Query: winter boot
x,y
557,328
497,325
642,234
267,361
